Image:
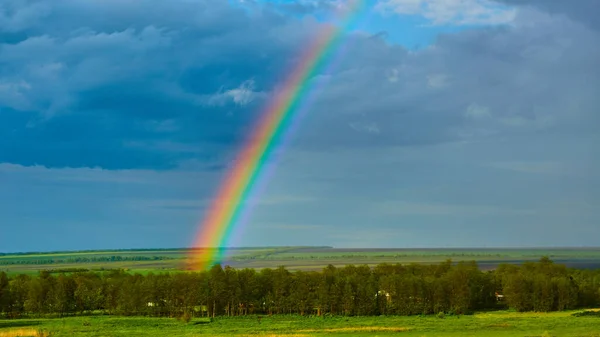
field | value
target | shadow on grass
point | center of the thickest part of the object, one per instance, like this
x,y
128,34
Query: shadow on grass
x,y
17,323
199,322
587,313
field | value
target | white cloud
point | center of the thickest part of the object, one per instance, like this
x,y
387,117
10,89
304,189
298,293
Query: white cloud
x,y
242,95
452,12
477,111
437,81
366,127
14,94
393,75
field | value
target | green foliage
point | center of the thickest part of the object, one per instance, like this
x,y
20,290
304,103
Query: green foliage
x,y
414,289
542,287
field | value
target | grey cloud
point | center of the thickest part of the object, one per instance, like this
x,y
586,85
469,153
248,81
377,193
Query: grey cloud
x,y
493,129
528,78
461,193
580,10
100,208
303,7
454,12
105,69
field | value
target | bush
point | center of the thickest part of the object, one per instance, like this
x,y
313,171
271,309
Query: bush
x,y
185,317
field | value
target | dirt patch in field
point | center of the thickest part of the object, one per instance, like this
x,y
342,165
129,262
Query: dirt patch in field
x,y
278,335
24,333
360,329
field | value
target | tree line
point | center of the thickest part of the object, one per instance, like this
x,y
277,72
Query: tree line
x,y
67,252
352,290
82,259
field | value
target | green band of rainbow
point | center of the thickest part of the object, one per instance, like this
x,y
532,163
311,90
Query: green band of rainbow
x,y
239,183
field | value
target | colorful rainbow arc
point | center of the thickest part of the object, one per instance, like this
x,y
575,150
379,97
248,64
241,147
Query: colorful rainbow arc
x,y
228,205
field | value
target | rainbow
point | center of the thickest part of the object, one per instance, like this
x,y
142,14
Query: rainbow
x,y
229,204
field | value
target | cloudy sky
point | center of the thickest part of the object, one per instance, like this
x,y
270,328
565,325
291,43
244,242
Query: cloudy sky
x,y
444,123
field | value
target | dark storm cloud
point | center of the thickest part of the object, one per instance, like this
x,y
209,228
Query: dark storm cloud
x,y
81,79
117,87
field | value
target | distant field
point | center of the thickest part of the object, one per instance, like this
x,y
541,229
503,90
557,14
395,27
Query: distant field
x,y
293,258
495,324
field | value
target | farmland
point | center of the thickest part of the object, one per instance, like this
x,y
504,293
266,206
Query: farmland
x,y
501,323
431,298
293,258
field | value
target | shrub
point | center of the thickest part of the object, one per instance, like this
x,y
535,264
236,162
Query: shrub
x,y
185,317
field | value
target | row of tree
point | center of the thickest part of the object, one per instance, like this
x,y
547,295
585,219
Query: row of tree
x,y
82,259
352,290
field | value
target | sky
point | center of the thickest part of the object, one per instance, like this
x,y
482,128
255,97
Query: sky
x,y
444,123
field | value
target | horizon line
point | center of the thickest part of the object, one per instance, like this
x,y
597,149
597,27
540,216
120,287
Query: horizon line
x,y
298,247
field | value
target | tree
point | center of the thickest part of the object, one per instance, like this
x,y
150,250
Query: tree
x,y
216,289
4,293
88,293
18,288
63,295
352,290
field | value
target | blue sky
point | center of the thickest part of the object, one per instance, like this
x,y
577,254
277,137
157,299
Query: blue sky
x,y
447,123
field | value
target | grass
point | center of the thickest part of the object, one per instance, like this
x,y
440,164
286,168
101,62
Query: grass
x,y
494,324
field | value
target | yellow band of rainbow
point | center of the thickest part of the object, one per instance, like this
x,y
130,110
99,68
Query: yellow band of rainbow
x,y
225,210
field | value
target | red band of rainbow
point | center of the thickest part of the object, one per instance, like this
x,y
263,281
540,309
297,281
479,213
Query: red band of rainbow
x,y
227,206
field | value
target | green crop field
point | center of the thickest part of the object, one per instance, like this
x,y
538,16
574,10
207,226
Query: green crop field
x,y
293,258
482,324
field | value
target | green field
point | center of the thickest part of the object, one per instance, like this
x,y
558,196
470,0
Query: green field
x,y
497,323
482,324
293,258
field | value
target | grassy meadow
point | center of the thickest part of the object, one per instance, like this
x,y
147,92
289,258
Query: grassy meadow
x,y
502,323
293,258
